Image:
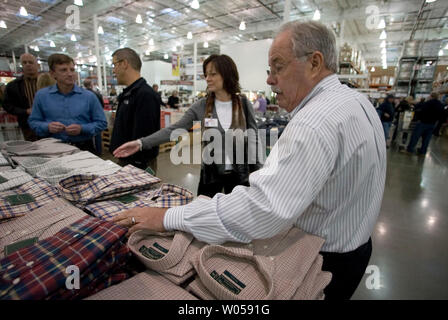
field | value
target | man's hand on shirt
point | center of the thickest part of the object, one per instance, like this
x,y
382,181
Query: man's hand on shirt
x,y
73,130
386,115
55,127
144,218
127,149
28,111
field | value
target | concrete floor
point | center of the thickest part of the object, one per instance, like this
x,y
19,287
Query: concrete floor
x,y
411,237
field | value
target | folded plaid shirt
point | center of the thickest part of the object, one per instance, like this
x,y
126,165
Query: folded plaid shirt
x,y
37,191
3,161
13,178
42,223
84,189
167,196
48,147
38,272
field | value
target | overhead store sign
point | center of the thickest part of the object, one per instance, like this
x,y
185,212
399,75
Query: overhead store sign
x,y
175,61
10,74
176,83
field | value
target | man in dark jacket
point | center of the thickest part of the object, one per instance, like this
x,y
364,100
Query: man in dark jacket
x,y
19,94
138,112
155,86
430,113
386,111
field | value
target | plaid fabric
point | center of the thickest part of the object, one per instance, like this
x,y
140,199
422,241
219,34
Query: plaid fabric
x,y
38,188
84,189
31,164
169,253
167,196
15,178
48,147
145,286
37,272
42,223
3,161
275,268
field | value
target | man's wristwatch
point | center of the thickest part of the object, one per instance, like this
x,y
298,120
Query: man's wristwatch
x,y
140,144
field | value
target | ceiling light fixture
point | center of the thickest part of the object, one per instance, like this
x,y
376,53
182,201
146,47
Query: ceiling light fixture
x,y
147,52
383,44
430,1
165,56
174,49
316,15
139,19
79,54
36,48
372,70
64,49
52,44
100,30
446,47
205,44
383,35
441,52
73,38
195,4
78,3
3,24
242,25
189,35
382,24
23,12
383,51
151,42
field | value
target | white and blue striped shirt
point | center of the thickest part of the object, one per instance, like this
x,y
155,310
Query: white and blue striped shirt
x,y
325,175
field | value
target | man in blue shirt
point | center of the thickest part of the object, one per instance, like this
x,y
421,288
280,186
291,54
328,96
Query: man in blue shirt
x,y
66,111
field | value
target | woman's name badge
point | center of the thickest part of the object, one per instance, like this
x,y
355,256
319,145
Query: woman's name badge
x,y
211,122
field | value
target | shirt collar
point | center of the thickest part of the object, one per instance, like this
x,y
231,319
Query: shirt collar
x,y
328,82
135,84
54,89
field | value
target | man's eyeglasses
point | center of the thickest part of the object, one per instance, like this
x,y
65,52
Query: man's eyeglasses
x,y
280,67
114,64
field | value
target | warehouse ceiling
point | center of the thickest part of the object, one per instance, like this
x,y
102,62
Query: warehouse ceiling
x,y
166,24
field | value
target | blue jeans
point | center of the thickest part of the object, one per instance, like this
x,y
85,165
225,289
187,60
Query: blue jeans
x,y
425,131
386,127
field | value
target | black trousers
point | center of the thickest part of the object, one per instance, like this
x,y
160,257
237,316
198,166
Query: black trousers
x,y
86,145
224,182
152,163
347,270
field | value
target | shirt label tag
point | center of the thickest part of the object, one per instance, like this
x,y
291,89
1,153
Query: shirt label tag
x,y
127,198
3,179
150,253
211,122
234,279
226,283
18,199
158,246
150,171
16,246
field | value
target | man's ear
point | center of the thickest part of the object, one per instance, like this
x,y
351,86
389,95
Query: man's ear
x,y
317,62
52,74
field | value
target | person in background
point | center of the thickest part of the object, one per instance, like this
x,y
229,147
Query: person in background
x,y
406,104
430,113
223,109
173,100
113,92
444,117
260,104
267,101
19,94
45,80
155,86
88,86
138,112
386,111
2,94
66,111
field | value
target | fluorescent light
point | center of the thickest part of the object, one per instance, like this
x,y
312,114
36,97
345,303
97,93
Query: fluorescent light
x,y
383,35
382,24
206,20
165,56
243,25
174,49
23,12
100,30
147,52
205,44
63,49
79,3
3,24
195,4
372,70
440,52
39,62
36,48
385,66
139,19
383,44
446,47
73,38
79,54
316,15
189,35
91,68
384,51
151,42
430,1
52,44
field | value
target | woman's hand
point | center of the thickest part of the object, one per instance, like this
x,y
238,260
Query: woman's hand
x,y
127,149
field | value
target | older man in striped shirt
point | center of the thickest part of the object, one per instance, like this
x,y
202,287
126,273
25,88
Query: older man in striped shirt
x,y
325,175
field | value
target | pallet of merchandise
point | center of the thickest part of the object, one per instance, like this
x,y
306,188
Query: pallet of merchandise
x,y
166,146
105,136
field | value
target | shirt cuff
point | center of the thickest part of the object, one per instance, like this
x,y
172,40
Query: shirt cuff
x,y
174,219
140,144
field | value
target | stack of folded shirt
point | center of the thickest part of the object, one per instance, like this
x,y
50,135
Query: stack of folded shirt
x,y
13,178
3,161
28,197
167,253
94,246
166,196
85,189
147,285
48,147
42,223
287,266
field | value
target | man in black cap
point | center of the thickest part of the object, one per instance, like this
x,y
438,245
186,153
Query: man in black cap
x,y
386,111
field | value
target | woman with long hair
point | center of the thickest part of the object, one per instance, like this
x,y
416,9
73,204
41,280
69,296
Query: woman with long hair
x,y
223,109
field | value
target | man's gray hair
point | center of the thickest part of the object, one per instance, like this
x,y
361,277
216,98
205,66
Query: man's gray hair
x,y
310,36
